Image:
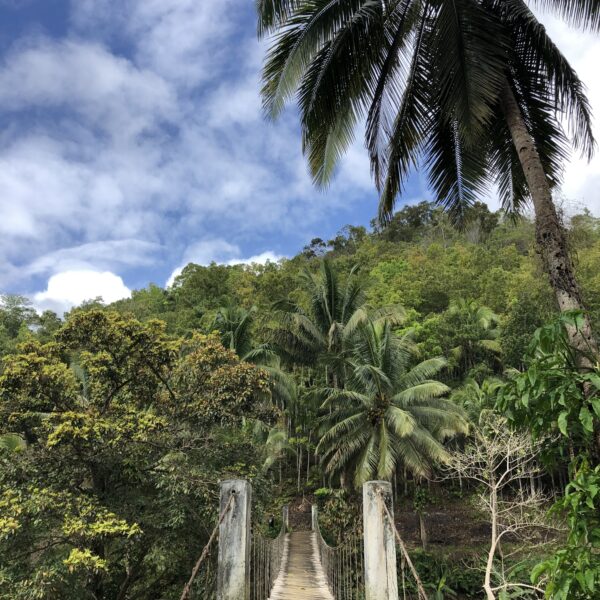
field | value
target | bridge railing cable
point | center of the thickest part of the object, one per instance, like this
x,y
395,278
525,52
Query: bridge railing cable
x,y
342,565
207,581
404,556
266,557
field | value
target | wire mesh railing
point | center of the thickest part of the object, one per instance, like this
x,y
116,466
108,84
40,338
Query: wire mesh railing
x,y
266,558
342,565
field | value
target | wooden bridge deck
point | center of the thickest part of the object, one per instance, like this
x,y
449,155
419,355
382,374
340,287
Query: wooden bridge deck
x,y
301,576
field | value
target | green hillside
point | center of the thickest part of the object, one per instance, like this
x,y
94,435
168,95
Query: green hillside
x,y
394,354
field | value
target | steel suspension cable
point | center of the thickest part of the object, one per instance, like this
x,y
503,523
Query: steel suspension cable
x,y
266,560
342,566
185,595
402,546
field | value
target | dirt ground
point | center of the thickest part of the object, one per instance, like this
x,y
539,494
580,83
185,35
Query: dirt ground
x,y
300,513
451,524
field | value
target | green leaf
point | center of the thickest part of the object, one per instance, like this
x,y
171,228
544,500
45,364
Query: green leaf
x,y
562,422
537,571
594,380
585,416
590,577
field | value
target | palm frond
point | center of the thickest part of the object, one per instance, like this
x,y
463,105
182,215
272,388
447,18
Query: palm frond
x,y
411,125
456,167
366,465
579,13
422,371
469,56
419,393
401,422
387,455
272,13
387,94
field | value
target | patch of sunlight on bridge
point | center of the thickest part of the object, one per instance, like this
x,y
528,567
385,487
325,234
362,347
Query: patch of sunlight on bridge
x,y
301,576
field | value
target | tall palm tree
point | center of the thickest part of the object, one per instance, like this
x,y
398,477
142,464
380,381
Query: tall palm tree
x,y
471,89
389,414
235,324
318,335
477,399
477,332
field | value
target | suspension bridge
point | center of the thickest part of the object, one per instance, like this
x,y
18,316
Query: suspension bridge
x,y
246,564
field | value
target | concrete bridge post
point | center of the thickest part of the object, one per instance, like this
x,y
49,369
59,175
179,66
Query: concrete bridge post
x,y
381,579
233,576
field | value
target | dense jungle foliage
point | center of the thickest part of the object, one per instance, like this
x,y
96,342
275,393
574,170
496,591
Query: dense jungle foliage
x,y
413,354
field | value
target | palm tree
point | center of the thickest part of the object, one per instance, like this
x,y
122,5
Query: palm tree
x,y
470,89
477,399
12,442
319,335
476,330
304,336
389,414
235,324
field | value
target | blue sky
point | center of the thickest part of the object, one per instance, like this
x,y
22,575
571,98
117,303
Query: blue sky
x,y
132,142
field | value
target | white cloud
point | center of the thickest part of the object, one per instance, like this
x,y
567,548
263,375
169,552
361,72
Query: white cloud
x,y
163,146
581,179
71,288
258,259
102,255
182,40
107,90
219,251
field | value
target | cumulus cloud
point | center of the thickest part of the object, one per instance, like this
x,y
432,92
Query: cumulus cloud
x,y
183,40
102,255
71,288
219,251
109,91
581,179
103,147
140,132
258,259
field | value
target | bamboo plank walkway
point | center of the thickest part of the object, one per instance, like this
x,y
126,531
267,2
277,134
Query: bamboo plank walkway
x,y
301,576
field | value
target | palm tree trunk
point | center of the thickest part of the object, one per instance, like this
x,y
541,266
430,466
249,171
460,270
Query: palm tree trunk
x,y
551,240
550,236
423,531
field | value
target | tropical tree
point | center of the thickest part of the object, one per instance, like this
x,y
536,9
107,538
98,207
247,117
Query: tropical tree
x,y
307,334
476,398
318,335
476,332
112,465
236,325
472,89
389,414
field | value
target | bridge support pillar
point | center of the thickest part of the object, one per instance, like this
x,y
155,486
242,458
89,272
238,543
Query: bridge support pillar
x,y
233,577
381,578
